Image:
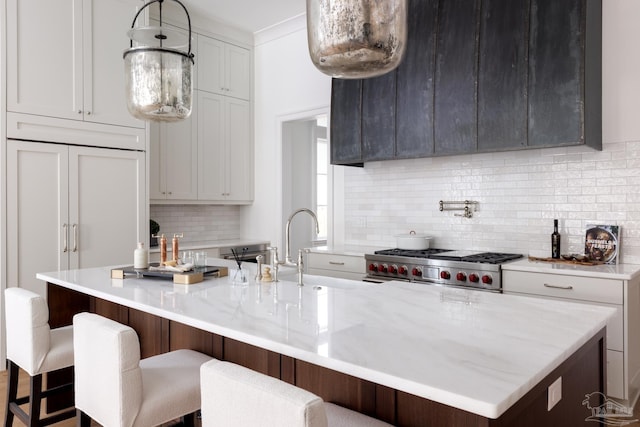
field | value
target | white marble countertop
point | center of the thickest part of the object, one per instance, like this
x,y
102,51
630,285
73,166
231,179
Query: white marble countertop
x,y
476,351
614,271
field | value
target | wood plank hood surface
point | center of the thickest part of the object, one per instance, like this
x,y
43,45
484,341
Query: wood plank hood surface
x,y
479,76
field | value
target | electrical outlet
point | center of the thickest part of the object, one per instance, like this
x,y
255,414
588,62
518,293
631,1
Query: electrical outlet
x,y
554,393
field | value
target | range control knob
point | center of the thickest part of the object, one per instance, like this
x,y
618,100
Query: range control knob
x,y
402,270
416,271
473,277
382,268
373,267
393,269
444,274
461,277
486,279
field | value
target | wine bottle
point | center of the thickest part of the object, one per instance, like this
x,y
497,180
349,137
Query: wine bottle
x,y
555,241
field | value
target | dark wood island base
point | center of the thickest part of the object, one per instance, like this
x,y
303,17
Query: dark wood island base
x,y
582,373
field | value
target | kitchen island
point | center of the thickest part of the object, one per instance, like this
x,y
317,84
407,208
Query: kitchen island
x,y
411,355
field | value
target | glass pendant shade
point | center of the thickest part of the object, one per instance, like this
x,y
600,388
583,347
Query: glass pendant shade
x,y
353,39
158,77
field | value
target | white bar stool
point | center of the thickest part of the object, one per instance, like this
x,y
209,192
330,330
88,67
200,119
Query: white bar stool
x,y
36,348
117,389
235,396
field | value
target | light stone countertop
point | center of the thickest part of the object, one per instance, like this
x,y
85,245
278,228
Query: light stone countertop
x,y
476,351
614,271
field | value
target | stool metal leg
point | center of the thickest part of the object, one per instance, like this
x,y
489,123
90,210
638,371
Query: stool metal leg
x,y
82,419
12,391
32,419
35,401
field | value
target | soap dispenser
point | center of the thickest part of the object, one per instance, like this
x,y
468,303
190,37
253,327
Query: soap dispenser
x,y
140,257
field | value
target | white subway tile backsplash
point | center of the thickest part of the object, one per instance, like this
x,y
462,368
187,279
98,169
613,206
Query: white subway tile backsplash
x,y
198,223
520,193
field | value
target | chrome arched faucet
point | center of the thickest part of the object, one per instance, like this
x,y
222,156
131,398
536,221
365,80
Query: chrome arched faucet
x,y
287,259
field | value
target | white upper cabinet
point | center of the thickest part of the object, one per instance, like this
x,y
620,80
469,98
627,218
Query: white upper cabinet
x,y
173,159
64,59
225,149
224,68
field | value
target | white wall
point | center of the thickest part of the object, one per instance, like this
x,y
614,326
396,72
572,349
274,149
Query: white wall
x,y
519,192
286,85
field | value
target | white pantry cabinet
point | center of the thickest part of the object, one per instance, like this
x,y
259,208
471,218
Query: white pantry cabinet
x,y
623,341
224,68
64,60
225,149
71,207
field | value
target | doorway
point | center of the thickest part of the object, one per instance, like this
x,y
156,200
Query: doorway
x,y
306,179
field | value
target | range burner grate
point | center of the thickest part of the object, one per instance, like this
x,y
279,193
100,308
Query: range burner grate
x,y
484,257
412,253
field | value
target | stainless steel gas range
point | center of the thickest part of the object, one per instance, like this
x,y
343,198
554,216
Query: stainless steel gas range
x,y
468,269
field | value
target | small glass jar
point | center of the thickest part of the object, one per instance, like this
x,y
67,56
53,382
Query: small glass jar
x,y
356,38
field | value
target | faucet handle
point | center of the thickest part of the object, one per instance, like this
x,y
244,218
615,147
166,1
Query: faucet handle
x,y
274,250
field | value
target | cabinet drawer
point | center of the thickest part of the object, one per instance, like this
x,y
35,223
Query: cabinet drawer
x,y
560,286
347,263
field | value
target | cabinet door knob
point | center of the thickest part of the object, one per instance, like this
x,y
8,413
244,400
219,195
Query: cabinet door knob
x,y
79,111
88,113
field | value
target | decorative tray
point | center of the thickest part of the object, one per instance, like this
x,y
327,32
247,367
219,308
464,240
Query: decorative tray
x,y
188,277
566,261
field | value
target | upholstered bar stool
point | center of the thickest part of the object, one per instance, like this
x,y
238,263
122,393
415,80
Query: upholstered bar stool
x,y
117,389
234,396
36,348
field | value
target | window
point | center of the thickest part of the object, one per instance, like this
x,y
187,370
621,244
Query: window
x,y
321,178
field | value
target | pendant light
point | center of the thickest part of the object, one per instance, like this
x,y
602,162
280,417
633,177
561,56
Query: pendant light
x,y
355,39
158,71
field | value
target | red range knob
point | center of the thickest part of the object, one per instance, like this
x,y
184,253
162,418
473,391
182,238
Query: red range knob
x,y
416,271
382,268
373,267
393,269
473,277
486,279
402,270
445,275
461,277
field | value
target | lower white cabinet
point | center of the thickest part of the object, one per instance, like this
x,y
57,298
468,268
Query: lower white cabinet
x,y
623,342
71,207
336,265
